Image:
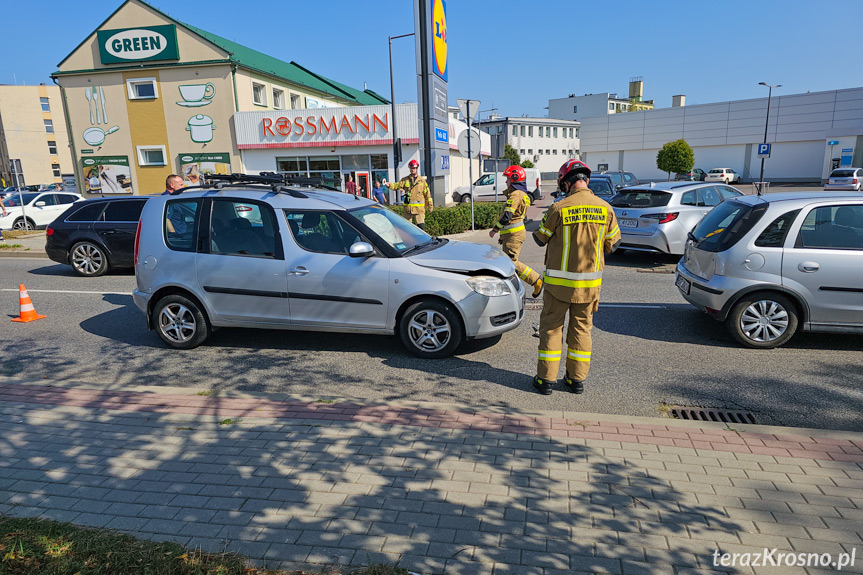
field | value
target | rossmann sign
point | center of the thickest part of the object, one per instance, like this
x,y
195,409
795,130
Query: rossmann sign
x,y
350,126
138,44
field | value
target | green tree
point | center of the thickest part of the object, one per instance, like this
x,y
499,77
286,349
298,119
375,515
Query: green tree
x,y
675,157
511,154
527,164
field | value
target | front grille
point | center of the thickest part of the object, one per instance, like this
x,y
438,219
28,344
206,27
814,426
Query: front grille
x,y
504,319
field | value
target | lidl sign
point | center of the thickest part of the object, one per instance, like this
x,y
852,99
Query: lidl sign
x,y
138,44
439,45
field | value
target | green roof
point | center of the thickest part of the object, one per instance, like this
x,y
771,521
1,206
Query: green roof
x,y
289,71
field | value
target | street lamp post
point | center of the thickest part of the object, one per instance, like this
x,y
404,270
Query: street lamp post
x,y
766,123
396,158
479,129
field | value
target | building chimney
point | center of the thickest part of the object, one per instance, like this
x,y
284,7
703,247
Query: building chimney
x,y
636,89
678,101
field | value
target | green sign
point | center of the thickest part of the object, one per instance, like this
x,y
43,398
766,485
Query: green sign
x,y
190,158
86,151
105,161
138,44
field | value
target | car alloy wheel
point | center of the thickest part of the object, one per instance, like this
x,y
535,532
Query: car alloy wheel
x,y
763,320
430,329
88,260
180,322
21,225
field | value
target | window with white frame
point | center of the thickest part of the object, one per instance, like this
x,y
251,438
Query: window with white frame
x,y
515,130
554,152
56,169
259,94
151,156
547,132
554,132
278,99
142,88
539,132
540,151
46,107
52,147
521,152
575,109
530,151
49,126
296,102
576,133
547,152
530,131
521,131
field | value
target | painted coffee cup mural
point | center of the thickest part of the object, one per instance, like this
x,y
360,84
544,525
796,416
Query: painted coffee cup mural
x,y
195,95
195,166
107,175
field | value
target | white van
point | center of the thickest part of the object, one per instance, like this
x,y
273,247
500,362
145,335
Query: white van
x,y
483,188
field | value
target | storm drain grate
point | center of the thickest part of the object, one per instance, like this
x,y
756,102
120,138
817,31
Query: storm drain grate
x,y
718,415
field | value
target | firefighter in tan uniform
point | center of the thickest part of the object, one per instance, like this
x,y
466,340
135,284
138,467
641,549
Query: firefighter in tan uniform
x,y
577,231
511,224
417,195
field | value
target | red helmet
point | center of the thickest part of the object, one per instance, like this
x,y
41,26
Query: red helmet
x,y
515,174
572,166
413,164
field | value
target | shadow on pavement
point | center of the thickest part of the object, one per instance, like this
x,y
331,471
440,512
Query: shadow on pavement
x,y
312,492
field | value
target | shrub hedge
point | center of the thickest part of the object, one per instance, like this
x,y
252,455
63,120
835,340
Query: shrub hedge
x,y
456,219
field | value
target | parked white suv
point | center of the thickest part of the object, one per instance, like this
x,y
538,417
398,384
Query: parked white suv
x,y
39,210
264,253
724,175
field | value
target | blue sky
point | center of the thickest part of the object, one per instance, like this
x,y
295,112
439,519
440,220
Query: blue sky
x,y
513,56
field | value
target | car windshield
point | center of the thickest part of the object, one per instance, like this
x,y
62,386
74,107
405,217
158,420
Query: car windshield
x,y
15,199
641,199
725,224
391,228
843,173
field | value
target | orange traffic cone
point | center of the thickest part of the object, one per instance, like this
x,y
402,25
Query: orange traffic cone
x,y
28,312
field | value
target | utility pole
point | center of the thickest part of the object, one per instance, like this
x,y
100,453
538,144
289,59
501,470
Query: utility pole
x,y
766,123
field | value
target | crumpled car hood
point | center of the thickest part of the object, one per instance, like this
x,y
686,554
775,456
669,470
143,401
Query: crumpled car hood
x,y
457,256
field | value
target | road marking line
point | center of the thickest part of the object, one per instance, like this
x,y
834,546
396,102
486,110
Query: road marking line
x,y
73,291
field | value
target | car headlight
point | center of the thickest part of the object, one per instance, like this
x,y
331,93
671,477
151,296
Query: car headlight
x,y
489,286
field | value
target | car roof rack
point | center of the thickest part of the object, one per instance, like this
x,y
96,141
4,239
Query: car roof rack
x,y
278,183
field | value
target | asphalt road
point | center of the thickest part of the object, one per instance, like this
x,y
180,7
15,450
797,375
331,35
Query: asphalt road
x,y
650,348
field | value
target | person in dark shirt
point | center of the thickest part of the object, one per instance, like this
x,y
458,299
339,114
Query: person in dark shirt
x,y
351,186
379,194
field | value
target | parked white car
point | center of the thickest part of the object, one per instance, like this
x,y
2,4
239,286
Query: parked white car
x,y
724,175
41,208
483,188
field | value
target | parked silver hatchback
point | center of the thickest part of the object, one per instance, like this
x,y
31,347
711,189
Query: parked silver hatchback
x,y
770,265
289,257
656,217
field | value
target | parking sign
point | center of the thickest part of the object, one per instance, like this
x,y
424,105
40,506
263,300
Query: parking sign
x,y
763,150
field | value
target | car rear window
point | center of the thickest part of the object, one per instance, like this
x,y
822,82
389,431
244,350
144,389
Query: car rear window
x,y
715,171
14,199
843,173
725,224
88,213
641,199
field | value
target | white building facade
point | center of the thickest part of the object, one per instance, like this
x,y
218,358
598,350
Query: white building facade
x,y
547,142
808,132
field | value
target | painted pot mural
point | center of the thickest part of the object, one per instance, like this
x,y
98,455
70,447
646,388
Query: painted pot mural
x,y
201,128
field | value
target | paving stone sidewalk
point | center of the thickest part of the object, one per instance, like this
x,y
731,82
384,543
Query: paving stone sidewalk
x,y
300,482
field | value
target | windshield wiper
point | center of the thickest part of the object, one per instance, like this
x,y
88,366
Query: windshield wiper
x,y
417,247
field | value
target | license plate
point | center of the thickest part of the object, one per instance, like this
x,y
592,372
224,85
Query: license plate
x,y
683,284
628,222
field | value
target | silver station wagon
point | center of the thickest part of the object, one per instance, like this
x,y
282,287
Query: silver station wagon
x,y
770,265
263,252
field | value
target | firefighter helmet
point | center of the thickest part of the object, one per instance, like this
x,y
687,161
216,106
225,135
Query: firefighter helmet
x,y
572,166
413,164
515,174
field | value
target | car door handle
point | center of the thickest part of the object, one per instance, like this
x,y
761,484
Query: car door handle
x,y
300,271
808,267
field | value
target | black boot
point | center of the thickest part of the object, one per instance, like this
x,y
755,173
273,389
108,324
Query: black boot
x,y
541,385
574,386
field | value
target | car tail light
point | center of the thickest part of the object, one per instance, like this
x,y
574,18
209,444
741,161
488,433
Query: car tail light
x,y
537,183
855,181
137,243
662,218
49,231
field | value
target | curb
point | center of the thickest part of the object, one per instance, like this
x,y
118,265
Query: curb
x,y
15,254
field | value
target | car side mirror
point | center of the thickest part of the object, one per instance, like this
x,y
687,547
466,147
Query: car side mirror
x,y
40,204
361,250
